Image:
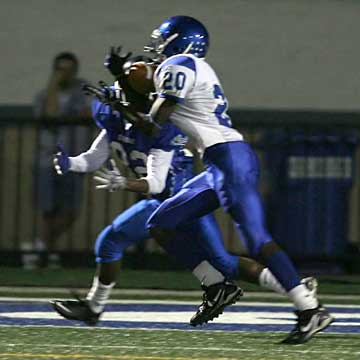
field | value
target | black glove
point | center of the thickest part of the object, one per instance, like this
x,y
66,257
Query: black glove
x,y
114,61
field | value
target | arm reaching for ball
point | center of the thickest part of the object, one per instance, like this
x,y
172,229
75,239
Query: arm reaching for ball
x,y
158,165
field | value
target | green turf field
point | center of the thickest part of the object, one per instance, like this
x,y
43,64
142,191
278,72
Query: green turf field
x,y
61,341
68,343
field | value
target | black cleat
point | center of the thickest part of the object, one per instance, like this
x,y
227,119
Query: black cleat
x,y
309,323
76,310
215,298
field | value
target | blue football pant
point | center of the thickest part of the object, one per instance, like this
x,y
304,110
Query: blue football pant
x,y
230,181
130,228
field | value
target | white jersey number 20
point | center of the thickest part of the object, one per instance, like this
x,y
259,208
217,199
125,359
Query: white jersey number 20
x,y
176,81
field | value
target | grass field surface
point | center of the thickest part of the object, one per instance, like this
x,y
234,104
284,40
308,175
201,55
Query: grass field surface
x,y
159,330
148,320
70,343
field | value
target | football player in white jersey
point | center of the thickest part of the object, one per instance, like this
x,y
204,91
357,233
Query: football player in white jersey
x,y
190,96
162,167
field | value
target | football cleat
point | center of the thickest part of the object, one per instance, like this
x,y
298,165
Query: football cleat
x,y
215,298
309,323
76,310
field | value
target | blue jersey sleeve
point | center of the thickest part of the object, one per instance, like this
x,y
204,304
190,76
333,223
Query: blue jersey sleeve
x,y
100,113
106,119
170,138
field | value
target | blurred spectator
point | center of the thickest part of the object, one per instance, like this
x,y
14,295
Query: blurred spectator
x,y
59,197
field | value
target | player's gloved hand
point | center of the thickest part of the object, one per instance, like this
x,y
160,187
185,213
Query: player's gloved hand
x,y
114,61
61,161
105,93
110,179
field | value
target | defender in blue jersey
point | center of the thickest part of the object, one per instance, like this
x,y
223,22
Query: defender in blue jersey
x,y
162,167
191,97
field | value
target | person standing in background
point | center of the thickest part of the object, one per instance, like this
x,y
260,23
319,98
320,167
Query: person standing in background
x,y
58,198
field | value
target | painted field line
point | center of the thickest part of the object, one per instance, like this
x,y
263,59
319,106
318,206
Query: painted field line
x,y
251,316
281,349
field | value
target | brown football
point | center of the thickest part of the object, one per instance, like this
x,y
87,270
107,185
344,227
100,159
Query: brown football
x,y
140,78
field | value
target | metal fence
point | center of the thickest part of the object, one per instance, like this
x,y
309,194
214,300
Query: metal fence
x,y
20,145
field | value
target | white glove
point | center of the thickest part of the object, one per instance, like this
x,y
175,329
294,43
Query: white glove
x,y
110,179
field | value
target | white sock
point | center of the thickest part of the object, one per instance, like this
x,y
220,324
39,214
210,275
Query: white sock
x,y
268,281
98,295
207,274
302,298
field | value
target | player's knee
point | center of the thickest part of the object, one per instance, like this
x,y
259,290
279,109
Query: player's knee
x,y
106,249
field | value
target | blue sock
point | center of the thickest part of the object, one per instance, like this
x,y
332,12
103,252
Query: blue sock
x,y
283,269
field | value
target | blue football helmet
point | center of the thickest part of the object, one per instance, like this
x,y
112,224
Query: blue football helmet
x,y
179,35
